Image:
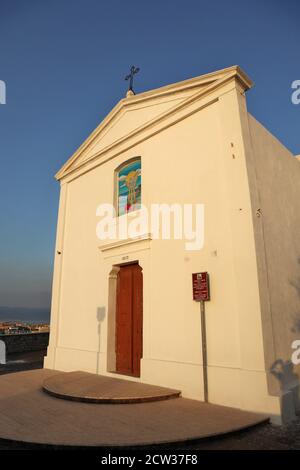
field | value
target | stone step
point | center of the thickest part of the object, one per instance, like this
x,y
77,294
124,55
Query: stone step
x,y
94,388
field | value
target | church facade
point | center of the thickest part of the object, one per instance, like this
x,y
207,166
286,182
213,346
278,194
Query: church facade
x,y
123,305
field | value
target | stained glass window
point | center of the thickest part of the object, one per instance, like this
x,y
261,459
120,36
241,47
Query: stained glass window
x,y
129,187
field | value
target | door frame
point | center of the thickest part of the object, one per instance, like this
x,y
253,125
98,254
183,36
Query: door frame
x,y
112,317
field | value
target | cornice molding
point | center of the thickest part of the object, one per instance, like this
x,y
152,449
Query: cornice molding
x,y
124,242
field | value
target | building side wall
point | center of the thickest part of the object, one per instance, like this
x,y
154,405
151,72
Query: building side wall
x,y
277,181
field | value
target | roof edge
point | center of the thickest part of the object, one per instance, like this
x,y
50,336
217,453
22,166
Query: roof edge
x,y
206,79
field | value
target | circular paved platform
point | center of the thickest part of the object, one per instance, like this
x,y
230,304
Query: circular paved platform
x,y
92,388
27,414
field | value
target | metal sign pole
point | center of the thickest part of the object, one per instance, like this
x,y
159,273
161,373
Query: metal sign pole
x,y
204,350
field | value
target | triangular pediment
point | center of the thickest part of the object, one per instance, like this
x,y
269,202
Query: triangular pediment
x,y
126,120
133,114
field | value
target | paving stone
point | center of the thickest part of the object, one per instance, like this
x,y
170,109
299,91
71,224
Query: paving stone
x,y
27,414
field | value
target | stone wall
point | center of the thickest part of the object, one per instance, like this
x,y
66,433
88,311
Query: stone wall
x,y
16,343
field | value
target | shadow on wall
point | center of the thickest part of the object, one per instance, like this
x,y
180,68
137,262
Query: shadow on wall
x,y
296,322
284,370
289,386
101,311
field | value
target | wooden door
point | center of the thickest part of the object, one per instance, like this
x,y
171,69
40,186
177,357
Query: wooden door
x,y
129,320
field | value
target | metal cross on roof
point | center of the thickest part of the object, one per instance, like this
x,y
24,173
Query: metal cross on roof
x,y
129,77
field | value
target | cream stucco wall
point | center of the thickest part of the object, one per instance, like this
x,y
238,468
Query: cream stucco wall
x,y
275,183
196,155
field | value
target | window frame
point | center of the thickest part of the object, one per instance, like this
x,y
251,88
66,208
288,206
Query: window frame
x,y
116,183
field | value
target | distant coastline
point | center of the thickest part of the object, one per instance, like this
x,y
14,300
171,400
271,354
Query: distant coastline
x,y
25,314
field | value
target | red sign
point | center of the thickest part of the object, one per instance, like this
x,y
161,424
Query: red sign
x,y
200,286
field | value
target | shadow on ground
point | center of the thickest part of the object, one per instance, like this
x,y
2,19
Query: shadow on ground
x,y
261,437
18,362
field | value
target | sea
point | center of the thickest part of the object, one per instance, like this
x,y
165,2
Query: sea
x,y
25,314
